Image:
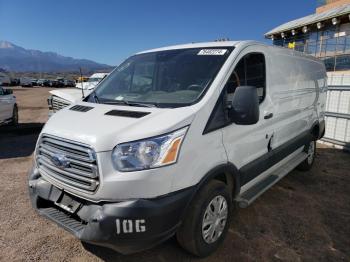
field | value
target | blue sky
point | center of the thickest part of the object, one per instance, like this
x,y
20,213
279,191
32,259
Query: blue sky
x,y
108,31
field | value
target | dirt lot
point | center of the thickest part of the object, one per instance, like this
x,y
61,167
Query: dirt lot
x,y
305,217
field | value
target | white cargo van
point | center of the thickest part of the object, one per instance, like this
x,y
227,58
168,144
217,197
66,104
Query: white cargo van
x,y
173,137
60,99
94,79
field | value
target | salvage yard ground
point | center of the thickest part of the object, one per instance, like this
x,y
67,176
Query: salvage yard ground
x,y
305,217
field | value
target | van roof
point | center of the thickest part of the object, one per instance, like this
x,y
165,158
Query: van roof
x,y
199,45
241,43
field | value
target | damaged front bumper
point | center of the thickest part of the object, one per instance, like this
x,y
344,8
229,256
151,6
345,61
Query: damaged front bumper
x,y
125,226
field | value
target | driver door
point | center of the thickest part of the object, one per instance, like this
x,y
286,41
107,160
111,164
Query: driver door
x,y
247,146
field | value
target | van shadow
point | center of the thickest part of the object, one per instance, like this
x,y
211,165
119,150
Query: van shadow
x,y
19,141
166,251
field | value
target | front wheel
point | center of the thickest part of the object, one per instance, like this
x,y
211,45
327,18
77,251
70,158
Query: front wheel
x,y
207,222
310,149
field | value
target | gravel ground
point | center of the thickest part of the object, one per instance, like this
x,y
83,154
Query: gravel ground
x,y
305,217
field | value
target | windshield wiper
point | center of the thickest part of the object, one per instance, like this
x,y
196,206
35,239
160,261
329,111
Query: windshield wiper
x,y
142,104
130,103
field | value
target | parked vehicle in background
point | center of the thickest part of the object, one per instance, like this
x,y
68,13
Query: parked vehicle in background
x,y
8,107
43,82
54,83
81,79
51,83
60,82
5,80
34,82
26,82
69,83
92,82
173,137
15,82
60,99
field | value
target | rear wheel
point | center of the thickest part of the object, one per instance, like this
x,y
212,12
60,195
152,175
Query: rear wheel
x,y
14,119
310,149
207,221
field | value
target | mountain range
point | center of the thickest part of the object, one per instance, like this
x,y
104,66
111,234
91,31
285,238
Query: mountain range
x,y
14,58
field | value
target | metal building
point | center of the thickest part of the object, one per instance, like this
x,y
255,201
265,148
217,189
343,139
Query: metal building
x,y
326,35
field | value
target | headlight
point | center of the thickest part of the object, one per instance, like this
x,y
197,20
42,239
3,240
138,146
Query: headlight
x,y
148,153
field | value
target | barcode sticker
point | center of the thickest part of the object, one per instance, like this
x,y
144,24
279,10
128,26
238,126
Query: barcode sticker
x,y
212,52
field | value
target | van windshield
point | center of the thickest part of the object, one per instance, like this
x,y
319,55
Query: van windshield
x,y
171,78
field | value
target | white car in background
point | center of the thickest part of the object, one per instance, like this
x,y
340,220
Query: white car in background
x,y
61,98
8,107
92,82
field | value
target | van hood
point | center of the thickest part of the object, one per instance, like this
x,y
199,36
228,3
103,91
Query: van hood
x,y
103,131
72,95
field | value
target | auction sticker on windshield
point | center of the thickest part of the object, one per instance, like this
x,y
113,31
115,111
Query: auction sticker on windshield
x,y
212,52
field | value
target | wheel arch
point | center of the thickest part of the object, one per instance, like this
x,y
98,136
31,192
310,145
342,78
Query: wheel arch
x,y
227,173
315,130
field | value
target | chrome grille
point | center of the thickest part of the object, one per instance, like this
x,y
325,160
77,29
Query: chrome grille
x,y
59,103
80,169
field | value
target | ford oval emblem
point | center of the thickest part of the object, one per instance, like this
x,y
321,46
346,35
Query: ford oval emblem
x,y
60,161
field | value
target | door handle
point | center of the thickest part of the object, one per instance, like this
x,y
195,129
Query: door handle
x,y
268,115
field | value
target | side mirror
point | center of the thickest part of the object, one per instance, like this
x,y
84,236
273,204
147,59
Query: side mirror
x,y
245,106
8,91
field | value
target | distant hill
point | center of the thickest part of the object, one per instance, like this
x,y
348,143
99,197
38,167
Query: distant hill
x,y
14,58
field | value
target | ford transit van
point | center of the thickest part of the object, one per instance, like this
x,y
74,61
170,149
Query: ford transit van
x,y
173,138
59,99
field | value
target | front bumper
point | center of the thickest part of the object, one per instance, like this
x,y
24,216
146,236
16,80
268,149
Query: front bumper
x,y
126,226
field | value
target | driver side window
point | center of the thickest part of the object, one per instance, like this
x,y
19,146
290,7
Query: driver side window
x,y
250,71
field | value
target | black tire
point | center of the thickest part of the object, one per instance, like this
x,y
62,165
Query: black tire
x,y
190,233
14,119
307,164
